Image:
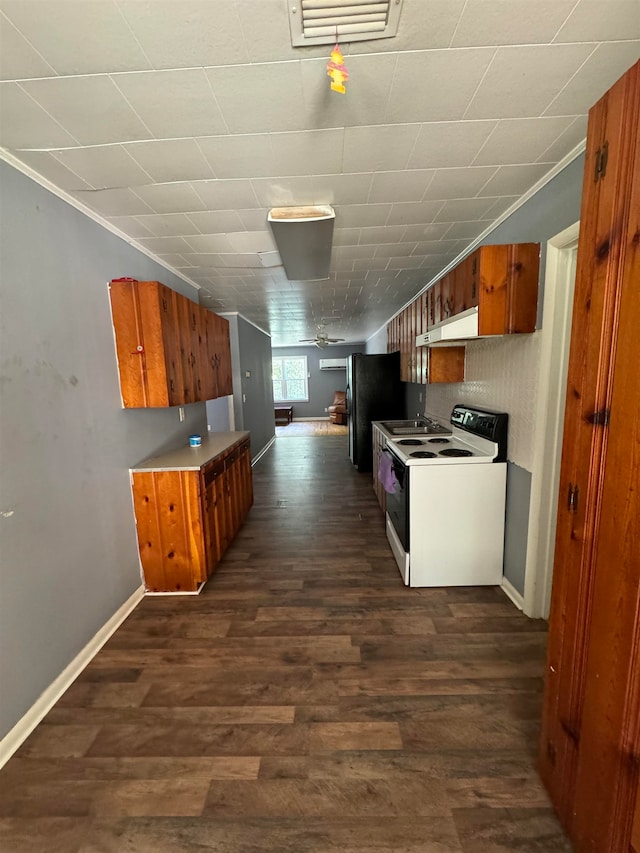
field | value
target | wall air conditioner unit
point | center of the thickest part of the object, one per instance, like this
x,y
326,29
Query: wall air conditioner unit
x,y
333,363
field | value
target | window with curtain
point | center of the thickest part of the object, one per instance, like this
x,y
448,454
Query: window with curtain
x,y
289,375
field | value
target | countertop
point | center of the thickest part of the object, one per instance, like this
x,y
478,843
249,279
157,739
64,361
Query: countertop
x,y
192,458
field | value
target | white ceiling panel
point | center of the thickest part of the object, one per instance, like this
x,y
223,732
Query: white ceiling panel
x,y
185,33
182,122
502,22
92,109
422,87
173,103
19,59
367,149
167,160
104,166
25,124
594,20
522,81
605,65
76,36
521,140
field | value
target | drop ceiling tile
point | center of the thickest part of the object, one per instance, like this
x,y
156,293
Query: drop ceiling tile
x,y
177,261
522,81
378,148
421,232
459,183
76,37
186,33
451,77
204,259
449,143
226,195
497,22
514,180
218,222
521,140
18,59
173,103
467,230
45,164
424,25
593,20
218,243
463,209
367,92
371,265
25,124
260,98
238,156
315,152
247,260
252,241
168,224
607,63
402,263
341,189
122,202
500,206
163,245
131,226
169,160
566,141
90,108
346,236
104,166
400,186
384,234
413,212
397,250
361,215
171,198
266,32
252,220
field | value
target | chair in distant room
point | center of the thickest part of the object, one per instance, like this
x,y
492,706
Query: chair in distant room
x,y
338,409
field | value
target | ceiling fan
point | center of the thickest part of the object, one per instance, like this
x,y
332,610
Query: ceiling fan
x,y
322,339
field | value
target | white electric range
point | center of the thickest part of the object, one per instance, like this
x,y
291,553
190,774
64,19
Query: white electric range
x,y
446,501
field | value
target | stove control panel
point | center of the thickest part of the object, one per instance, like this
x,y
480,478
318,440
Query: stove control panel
x,y
485,423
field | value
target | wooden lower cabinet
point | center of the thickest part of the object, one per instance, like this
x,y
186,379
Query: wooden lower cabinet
x,y
379,443
187,518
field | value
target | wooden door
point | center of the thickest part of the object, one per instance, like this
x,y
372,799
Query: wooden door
x,y
590,745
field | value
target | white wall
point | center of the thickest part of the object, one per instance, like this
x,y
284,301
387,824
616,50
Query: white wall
x,y
69,556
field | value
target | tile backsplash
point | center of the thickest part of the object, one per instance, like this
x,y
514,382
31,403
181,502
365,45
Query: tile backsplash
x,y
501,375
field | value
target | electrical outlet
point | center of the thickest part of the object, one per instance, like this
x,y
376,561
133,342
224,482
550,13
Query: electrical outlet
x,y
181,413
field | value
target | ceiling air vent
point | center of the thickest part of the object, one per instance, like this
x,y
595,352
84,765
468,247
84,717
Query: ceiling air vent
x,y
329,21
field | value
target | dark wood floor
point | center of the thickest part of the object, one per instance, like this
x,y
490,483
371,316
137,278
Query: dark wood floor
x,y
306,702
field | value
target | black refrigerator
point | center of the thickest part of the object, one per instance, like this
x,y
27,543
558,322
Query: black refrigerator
x,y
374,393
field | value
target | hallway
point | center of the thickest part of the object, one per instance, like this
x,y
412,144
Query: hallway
x,y
305,702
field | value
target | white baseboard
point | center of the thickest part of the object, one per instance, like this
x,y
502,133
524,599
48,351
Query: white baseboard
x,y
26,724
262,452
511,592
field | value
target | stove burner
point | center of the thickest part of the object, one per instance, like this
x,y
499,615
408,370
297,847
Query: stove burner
x,y
438,441
455,451
422,454
413,441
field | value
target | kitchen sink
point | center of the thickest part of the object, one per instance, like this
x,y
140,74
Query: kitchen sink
x,y
415,427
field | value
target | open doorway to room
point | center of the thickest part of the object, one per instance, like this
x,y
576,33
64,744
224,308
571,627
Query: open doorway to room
x,y
554,356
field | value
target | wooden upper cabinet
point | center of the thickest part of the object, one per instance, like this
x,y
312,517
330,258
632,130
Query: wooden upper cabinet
x,y
170,350
501,280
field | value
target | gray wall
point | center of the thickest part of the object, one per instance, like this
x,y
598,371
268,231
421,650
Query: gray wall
x,y
322,383
69,556
256,389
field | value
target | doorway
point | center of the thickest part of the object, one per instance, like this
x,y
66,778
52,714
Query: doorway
x,y
554,357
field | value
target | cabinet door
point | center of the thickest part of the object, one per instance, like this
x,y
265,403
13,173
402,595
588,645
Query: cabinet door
x,y
446,364
207,385
172,364
422,352
466,283
223,357
169,527
129,339
446,296
186,340
214,502
592,650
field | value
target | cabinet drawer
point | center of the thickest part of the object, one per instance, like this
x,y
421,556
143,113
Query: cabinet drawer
x,y
212,471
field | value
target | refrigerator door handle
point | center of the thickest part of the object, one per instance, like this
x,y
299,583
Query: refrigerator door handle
x,y
347,399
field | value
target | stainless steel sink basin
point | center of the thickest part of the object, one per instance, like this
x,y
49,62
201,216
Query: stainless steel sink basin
x,y
415,427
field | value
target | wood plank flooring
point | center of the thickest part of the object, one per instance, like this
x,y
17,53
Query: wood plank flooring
x,y
305,702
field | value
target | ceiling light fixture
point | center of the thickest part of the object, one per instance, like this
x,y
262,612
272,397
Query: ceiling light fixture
x,y
304,236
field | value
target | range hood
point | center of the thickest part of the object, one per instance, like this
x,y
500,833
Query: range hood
x,y
462,327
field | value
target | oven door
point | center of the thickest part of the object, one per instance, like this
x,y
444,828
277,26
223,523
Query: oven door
x,y
398,518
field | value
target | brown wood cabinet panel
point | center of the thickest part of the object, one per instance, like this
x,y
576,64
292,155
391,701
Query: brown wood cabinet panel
x,y
186,519
164,349
446,364
590,730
